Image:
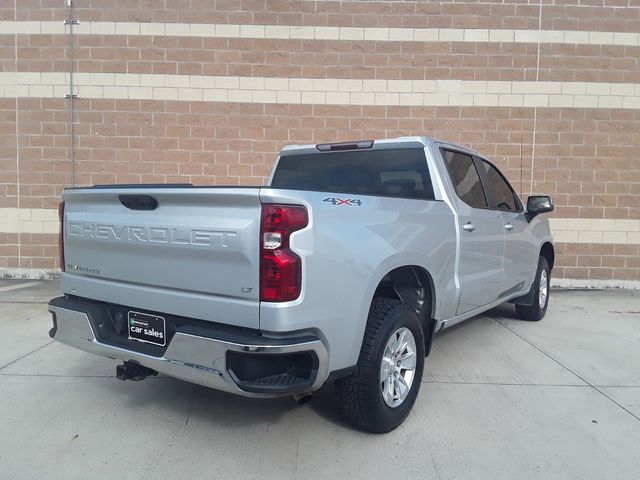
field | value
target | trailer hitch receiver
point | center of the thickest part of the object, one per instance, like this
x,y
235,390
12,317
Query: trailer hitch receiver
x,y
133,371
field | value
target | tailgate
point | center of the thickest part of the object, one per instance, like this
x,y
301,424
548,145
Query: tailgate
x,y
196,254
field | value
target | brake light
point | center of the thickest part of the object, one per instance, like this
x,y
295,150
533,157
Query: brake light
x,y
61,237
280,268
331,147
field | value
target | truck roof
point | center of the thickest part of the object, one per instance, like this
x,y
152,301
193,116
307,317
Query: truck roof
x,y
378,144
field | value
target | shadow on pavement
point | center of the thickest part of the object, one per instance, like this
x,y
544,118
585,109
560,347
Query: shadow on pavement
x,y
215,408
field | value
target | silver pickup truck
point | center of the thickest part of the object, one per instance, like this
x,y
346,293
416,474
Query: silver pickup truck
x,y
341,270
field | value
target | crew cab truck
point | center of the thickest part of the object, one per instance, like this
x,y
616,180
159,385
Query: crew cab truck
x,y
342,269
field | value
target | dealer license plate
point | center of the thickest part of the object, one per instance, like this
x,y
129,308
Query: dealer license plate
x,y
147,328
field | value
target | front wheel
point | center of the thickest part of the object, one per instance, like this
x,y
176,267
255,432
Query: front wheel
x,y
380,393
541,290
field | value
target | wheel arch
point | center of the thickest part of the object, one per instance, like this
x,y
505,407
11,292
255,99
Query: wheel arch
x,y
414,286
547,251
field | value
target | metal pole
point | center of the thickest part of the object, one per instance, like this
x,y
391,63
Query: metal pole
x,y
71,96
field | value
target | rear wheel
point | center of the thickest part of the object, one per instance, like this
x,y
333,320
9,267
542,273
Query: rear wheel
x,y
541,290
380,393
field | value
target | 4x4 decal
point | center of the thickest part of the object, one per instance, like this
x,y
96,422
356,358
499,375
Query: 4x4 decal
x,y
343,201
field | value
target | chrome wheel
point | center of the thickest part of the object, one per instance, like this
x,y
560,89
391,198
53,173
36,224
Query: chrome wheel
x,y
398,367
543,290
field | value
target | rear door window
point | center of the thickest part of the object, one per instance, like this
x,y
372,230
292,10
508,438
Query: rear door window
x,y
401,173
499,192
465,178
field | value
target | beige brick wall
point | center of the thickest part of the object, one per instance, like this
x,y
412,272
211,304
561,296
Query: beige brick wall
x,y
208,91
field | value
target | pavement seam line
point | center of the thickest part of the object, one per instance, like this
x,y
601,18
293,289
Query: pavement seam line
x,y
571,371
53,375
503,384
9,302
26,355
18,286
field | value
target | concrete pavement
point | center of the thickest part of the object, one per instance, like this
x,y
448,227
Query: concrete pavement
x,y
501,399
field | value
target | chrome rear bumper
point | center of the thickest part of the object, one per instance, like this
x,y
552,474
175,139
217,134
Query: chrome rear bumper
x,y
194,358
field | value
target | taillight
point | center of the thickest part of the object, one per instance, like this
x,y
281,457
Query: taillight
x,y
61,238
280,268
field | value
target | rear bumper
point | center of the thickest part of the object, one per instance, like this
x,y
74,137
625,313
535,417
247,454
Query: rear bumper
x,y
206,356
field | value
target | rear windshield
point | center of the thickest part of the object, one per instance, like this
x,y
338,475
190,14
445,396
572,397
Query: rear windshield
x,y
399,173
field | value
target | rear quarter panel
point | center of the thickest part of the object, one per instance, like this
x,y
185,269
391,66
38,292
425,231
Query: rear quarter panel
x,y
346,251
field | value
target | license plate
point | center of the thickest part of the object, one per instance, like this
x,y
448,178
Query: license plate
x,y
147,328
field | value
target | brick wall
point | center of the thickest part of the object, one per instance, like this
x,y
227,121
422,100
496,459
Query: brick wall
x,y
207,92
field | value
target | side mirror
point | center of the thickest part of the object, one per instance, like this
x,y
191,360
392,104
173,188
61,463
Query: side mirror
x,y
537,204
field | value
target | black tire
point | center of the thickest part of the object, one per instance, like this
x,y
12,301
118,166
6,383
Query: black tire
x,y
535,312
359,394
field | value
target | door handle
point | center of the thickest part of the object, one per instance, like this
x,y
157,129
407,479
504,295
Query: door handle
x,y
469,227
508,226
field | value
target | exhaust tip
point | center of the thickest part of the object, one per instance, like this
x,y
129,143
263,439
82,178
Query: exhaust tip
x,y
304,398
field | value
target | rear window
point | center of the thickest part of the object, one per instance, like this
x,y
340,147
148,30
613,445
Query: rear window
x,y
399,173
